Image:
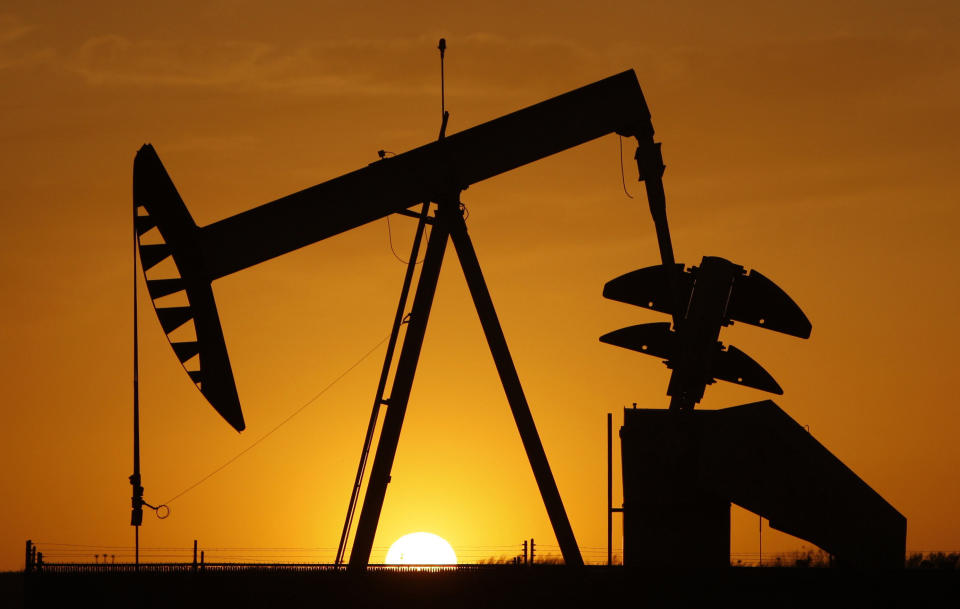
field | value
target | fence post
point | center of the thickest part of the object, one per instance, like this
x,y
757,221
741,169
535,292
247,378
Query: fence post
x,y
202,561
194,555
28,561
525,550
531,550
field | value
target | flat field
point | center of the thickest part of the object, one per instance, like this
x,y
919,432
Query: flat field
x,y
489,586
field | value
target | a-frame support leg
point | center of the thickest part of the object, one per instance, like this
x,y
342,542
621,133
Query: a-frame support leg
x,y
449,223
513,389
399,395
378,401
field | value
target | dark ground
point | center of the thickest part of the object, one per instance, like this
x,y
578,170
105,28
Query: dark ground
x,y
501,586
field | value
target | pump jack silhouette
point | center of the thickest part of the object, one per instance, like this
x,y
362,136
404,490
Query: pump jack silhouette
x,y
437,173
432,177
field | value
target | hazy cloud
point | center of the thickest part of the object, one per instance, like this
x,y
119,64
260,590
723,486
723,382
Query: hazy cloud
x,y
319,68
212,144
349,66
13,28
822,67
15,50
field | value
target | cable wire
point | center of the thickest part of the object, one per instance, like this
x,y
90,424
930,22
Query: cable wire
x,y
392,249
623,179
279,425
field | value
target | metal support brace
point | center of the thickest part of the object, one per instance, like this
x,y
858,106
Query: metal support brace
x,y
513,389
379,400
449,223
399,397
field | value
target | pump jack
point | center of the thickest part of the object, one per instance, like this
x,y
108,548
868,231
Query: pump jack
x,y
437,173
681,469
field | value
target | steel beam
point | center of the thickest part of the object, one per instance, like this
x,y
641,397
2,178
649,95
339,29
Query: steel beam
x,y
399,396
512,387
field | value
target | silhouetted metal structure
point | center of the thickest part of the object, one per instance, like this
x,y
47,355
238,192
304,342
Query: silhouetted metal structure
x,y
704,300
668,455
682,469
436,172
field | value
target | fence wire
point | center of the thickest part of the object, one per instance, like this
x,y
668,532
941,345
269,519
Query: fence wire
x,y
80,556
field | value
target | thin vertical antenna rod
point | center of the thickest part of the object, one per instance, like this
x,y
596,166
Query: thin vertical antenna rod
x,y
610,509
444,115
443,102
136,515
609,488
381,386
760,549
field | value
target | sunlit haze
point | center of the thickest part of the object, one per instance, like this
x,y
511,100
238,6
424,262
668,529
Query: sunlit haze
x,y
813,141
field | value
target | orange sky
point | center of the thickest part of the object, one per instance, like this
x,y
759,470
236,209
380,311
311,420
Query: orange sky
x,y
815,143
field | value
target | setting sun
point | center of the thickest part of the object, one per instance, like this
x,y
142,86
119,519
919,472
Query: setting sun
x,y
421,549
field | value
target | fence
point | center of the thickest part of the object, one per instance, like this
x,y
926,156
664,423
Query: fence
x,y
72,558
